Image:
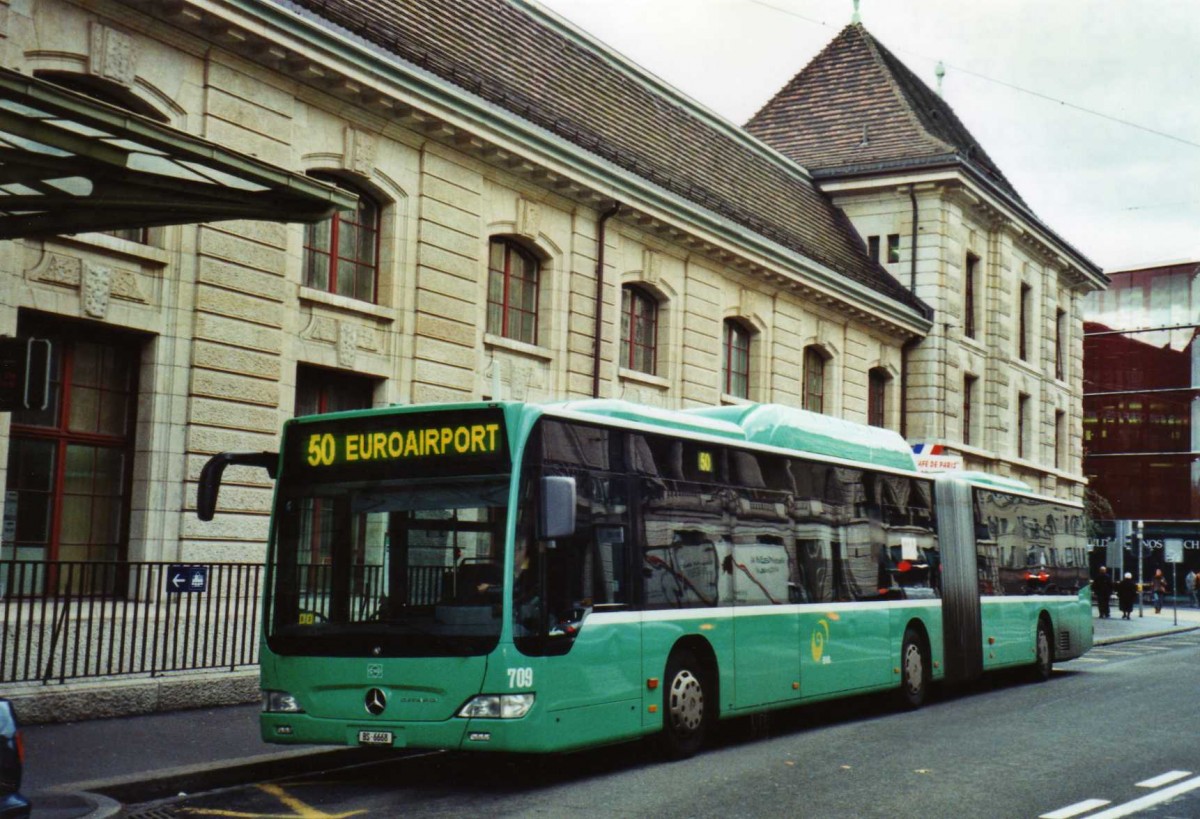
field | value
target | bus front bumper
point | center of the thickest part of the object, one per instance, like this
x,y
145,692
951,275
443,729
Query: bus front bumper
x,y
453,734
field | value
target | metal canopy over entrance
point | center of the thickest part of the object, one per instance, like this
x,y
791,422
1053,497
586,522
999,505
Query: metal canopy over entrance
x,y
69,164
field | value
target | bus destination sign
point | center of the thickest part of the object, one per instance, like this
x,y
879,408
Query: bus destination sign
x,y
371,446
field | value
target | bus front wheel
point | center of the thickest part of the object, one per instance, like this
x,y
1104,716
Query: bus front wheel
x,y
914,671
685,706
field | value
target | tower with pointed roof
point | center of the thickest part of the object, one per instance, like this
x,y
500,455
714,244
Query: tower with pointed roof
x,y
998,380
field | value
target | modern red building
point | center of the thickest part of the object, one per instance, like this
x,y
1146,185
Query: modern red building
x,y
1141,408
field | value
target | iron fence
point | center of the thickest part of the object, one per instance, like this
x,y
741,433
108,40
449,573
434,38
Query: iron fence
x,y
77,619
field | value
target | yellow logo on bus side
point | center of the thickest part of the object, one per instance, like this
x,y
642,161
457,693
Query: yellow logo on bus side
x,y
820,636
325,449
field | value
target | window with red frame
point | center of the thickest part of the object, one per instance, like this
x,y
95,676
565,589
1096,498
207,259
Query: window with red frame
x,y
69,465
639,329
736,376
512,291
813,397
877,384
319,390
341,254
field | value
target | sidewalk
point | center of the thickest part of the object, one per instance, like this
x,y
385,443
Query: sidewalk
x,y
137,759
1116,630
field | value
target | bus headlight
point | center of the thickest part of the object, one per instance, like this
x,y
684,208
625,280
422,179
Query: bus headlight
x,y
498,706
280,702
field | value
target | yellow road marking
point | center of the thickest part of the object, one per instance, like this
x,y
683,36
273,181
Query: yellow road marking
x,y
299,808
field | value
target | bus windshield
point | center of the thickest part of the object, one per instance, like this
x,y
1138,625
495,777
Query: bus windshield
x,y
403,568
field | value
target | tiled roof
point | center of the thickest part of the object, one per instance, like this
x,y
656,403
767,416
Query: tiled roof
x,y
511,57
856,106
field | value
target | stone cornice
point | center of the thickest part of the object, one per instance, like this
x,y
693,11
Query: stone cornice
x,y
382,85
997,212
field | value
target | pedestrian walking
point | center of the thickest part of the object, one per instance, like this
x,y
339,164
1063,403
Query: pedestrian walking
x,y
1102,590
1192,591
1158,590
1126,593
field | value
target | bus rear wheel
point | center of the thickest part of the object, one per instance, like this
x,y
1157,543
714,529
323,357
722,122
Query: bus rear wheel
x,y
685,706
1043,664
914,671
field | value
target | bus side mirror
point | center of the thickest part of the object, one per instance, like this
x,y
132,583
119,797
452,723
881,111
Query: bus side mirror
x,y
210,476
556,512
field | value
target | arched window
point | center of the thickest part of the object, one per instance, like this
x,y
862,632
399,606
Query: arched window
x,y
639,329
736,365
813,396
341,254
117,95
512,291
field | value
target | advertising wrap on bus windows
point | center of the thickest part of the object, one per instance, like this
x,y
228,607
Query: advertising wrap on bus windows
x,y
1028,545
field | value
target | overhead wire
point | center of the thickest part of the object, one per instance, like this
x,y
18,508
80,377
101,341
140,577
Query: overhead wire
x,y
1010,85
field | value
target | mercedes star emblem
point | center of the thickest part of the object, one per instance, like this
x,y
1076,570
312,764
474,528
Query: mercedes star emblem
x,y
376,701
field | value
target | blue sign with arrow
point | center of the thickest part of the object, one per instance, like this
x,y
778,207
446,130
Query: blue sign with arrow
x,y
181,579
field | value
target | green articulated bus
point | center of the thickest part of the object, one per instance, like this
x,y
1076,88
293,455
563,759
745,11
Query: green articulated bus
x,y
543,577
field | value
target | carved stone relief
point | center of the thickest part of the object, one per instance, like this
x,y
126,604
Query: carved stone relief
x,y
651,266
60,270
125,286
347,344
361,150
97,289
112,55
529,218
515,379
639,394
98,284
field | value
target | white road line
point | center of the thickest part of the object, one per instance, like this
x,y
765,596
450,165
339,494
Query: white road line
x,y
1076,809
1164,779
1149,800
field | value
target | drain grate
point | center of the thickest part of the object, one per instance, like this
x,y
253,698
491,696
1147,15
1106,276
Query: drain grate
x,y
153,813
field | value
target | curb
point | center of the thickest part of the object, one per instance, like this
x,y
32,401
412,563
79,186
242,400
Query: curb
x,y
104,698
110,797
1143,635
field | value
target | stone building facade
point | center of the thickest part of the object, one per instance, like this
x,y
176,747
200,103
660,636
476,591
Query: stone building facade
x,y
538,220
997,381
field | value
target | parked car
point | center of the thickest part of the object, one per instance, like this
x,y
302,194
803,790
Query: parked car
x,y
12,759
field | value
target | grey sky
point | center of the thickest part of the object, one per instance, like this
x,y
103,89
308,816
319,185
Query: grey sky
x,y
1124,196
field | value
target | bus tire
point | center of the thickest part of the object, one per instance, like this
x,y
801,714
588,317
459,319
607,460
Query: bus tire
x,y
914,671
1043,649
686,706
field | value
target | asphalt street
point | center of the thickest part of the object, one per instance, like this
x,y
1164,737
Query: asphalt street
x,y
88,768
